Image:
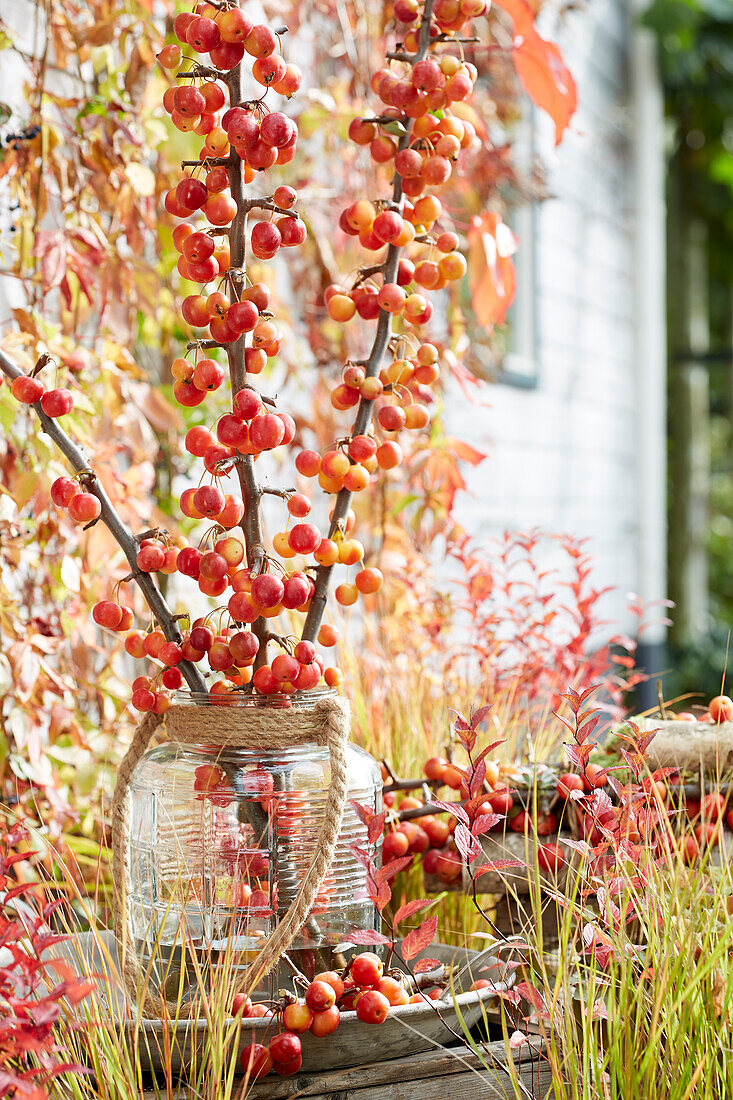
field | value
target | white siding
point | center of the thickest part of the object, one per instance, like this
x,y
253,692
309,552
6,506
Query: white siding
x,y
564,456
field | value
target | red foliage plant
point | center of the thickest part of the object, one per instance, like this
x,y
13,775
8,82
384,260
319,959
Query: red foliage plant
x,y
31,1000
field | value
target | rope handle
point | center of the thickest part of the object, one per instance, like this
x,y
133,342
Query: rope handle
x,y
332,718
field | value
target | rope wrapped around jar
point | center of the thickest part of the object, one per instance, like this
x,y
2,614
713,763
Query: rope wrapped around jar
x,y
269,728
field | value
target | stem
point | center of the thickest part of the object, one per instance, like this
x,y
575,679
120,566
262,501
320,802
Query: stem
x,y
250,490
381,339
122,536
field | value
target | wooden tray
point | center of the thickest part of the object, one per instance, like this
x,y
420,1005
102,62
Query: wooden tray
x,y
407,1030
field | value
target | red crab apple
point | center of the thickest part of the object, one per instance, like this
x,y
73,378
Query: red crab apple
x,y
550,857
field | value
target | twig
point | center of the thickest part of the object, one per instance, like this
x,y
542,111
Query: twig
x,y
122,536
250,490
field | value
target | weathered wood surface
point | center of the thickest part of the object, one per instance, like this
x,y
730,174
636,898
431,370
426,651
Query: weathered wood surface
x,y
434,1075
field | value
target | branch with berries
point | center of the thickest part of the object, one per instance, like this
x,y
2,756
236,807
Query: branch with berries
x,y
223,231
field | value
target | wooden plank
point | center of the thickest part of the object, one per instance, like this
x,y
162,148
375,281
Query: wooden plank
x,y
457,1073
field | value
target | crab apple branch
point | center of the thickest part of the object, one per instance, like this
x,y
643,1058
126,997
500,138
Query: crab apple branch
x,y
122,536
381,340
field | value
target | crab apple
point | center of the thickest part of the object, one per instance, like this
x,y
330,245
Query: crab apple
x,y
208,375
84,507
198,247
448,866
27,390
208,500
721,709
308,463
247,402
220,657
291,81
231,431
57,402
327,552
234,25
550,857
266,240
265,682
369,580
107,613
277,129
255,360
416,417
567,783
304,538
366,968
372,1007
319,996
341,307
297,1017
389,455
195,311
285,197
154,642
351,552
296,591
232,512
198,440
170,57
63,491
244,646
226,55
190,103
189,559
242,608
260,41
388,226
256,1061
391,418
292,231
220,209
267,590
203,34
242,316
393,990
453,266
269,70
143,699
170,654
266,431
394,845
391,298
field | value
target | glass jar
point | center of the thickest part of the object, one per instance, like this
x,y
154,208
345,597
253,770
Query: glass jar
x,y
219,840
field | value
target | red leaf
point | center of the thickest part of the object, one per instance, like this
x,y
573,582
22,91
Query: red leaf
x,y
367,937
497,865
466,844
484,822
453,808
410,909
420,938
423,965
391,869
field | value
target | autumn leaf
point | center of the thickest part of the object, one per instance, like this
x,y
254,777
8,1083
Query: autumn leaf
x,y
491,275
420,938
540,67
367,937
410,908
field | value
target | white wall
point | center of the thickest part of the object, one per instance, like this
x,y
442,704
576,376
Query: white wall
x,y
565,455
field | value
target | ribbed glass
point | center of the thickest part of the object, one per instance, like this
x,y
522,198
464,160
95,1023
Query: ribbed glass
x,y
221,838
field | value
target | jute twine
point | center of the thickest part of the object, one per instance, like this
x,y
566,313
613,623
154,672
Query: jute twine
x,y
266,728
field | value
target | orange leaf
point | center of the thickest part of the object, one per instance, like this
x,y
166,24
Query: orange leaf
x,y
544,75
491,275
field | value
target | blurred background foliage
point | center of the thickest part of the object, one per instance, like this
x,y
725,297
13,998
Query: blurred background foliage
x,y
696,54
